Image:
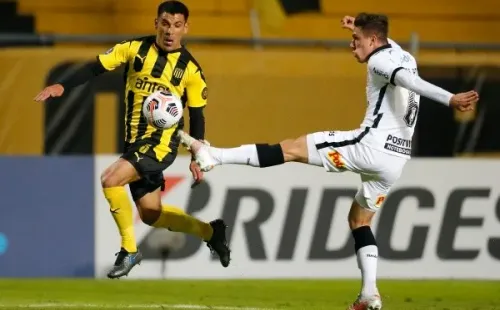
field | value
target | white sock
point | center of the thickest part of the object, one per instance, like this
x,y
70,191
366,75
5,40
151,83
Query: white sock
x,y
243,155
367,262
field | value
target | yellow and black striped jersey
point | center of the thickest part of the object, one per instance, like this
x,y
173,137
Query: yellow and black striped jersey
x,y
148,69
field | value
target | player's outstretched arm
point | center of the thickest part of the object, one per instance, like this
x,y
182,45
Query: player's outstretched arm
x,y
107,61
385,69
89,71
462,101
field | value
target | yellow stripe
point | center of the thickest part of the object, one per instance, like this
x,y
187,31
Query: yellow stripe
x,y
105,124
149,131
162,149
134,118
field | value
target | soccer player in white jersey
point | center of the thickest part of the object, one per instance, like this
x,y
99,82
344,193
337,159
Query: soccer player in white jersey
x,y
378,150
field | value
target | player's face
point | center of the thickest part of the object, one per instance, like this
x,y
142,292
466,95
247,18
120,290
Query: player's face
x,y
362,45
170,28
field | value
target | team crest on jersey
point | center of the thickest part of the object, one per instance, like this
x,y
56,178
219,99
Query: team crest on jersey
x,y
178,73
204,93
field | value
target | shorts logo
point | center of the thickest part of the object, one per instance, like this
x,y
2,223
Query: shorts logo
x,y
380,200
138,157
336,159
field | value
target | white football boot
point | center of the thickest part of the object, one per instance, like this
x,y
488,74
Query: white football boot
x,y
201,150
367,303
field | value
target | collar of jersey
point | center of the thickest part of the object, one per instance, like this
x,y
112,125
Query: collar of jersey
x,y
378,49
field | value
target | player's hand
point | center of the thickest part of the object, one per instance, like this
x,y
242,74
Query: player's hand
x,y
55,90
347,22
465,101
196,172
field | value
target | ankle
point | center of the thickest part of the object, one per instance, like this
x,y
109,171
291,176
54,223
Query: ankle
x,y
196,146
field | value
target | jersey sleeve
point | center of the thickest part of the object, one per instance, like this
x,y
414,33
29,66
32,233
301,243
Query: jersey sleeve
x,y
115,56
383,68
196,88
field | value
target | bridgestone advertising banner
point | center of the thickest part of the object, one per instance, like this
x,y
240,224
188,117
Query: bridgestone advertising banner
x,y
441,220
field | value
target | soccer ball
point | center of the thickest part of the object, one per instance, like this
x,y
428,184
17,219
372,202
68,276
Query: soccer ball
x,y
162,109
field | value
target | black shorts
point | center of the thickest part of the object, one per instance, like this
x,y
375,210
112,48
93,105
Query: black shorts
x,y
149,168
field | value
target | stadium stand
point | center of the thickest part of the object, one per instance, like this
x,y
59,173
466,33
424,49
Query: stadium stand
x,y
11,21
458,21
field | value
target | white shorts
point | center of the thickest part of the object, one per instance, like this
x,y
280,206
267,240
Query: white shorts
x,y
340,151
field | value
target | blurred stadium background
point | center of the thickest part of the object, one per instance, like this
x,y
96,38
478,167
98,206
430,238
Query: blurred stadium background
x,y
275,69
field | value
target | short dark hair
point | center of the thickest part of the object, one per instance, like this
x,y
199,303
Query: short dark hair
x,y
377,24
173,7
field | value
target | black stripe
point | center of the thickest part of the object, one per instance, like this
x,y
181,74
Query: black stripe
x,y
143,123
125,72
380,98
367,129
377,120
156,137
197,66
393,75
128,116
184,98
174,140
180,67
160,64
140,59
344,142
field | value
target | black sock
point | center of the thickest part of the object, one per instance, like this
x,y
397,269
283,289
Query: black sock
x,y
270,155
363,236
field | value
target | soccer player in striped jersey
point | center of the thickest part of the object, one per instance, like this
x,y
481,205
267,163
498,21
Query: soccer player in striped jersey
x,y
152,63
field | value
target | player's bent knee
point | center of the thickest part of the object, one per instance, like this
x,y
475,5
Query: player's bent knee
x,y
149,213
295,149
111,180
359,216
107,180
149,216
120,173
149,207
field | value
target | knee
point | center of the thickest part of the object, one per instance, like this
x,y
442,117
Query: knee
x,y
294,149
359,217
119,174
149,214
357,222
108,179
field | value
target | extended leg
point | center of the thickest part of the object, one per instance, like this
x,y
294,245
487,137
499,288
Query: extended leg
x,y
154,214
255,155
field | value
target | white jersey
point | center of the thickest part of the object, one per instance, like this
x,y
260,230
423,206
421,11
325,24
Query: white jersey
x,y
392,111
380,148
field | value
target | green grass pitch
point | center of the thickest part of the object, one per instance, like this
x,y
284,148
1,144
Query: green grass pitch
x,y
242,294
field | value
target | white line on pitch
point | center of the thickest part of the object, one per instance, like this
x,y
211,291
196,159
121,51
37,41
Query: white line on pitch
x,y
136,306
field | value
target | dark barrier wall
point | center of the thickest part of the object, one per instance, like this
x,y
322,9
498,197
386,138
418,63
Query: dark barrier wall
x,y
47,217
444,133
